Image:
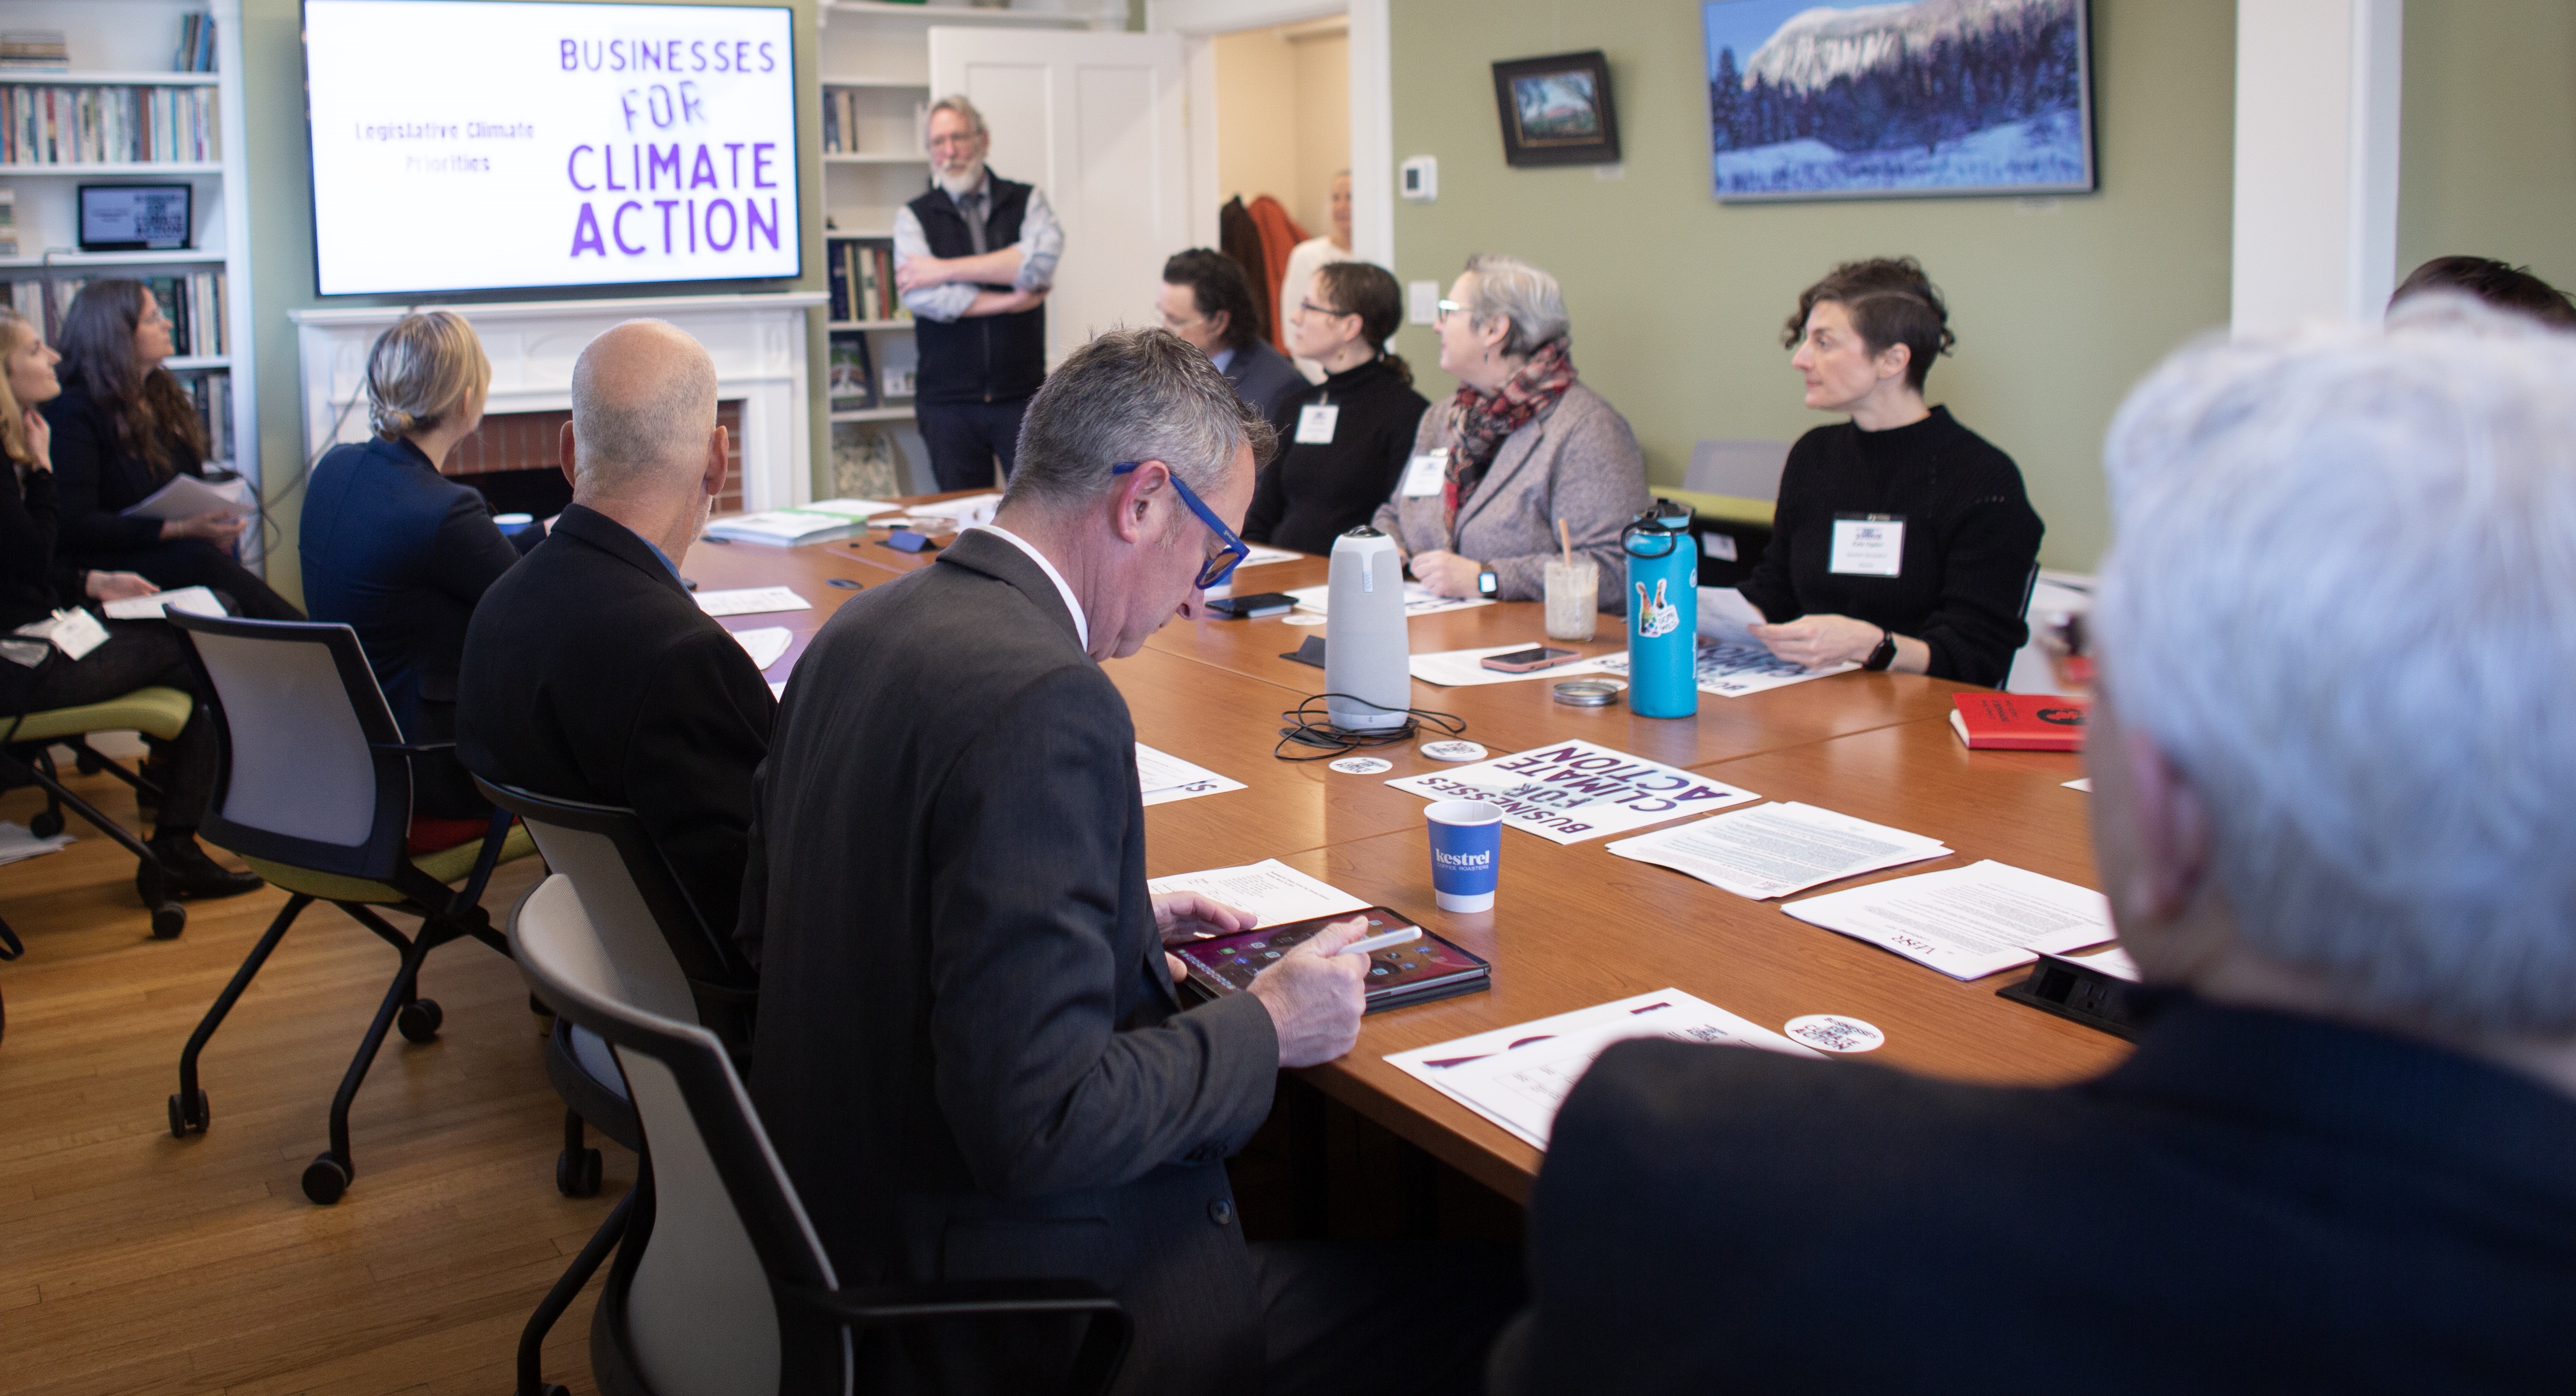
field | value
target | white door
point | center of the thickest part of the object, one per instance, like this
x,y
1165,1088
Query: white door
x,y
1096,121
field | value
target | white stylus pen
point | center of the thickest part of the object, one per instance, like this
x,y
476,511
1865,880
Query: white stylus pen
x,y
1370,945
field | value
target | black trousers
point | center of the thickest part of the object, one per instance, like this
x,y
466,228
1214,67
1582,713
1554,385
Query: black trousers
x,y
192,562
137,654
966,437
1383,1318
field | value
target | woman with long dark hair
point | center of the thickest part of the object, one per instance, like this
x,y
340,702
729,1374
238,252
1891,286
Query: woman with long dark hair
x,y
35,675
122,429
1344,440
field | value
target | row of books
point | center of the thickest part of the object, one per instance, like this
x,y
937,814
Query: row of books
x,y
850,380
841,122
863,286
212,391
35,50
8,222
64,125
197,306
196,45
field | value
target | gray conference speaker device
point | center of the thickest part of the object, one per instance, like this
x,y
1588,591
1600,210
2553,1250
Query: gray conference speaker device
x,y
1367,655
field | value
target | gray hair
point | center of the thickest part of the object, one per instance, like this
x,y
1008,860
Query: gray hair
x,y
635,409
1521,293
422,368
956,102
1132,395
2342,599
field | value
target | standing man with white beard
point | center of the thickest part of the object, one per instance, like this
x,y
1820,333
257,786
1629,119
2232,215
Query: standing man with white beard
x,y
974,257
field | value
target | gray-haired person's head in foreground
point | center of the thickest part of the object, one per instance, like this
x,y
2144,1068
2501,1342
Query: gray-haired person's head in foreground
x,y
2332,764
643,445
1128,542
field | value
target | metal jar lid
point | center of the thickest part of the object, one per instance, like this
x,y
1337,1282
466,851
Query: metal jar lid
x,y
1589,693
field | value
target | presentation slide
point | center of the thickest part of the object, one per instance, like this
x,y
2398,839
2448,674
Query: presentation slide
x,y
482,144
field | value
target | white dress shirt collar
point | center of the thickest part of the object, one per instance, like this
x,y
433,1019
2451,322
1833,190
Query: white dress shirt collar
x,y
1081,623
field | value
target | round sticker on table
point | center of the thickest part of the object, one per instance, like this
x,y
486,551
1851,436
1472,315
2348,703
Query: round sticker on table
x,y
1832,1032
1302,618
1362,765
1453,751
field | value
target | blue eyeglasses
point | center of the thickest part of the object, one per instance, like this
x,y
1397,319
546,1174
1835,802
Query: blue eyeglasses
x,y
1231,550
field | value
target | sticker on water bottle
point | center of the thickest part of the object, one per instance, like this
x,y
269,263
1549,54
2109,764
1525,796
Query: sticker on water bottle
x,y
1657,616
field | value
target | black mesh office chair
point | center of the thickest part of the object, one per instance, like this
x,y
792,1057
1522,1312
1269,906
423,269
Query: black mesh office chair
x,y
669,958
721,1283
314,792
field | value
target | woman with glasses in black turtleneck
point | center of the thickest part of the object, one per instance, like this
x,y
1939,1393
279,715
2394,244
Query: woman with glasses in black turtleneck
x,y
1342,442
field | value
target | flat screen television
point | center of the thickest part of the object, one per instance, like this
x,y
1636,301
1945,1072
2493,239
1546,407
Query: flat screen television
x,y
476,145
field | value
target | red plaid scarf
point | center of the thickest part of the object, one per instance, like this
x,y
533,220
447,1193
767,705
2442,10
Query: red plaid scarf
x,y
1478,422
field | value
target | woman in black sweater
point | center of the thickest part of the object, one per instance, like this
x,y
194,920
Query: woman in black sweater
x,y
122,428
36,676
1901,539
1344,440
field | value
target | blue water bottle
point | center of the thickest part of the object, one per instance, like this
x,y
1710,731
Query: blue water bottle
x,y
1663,612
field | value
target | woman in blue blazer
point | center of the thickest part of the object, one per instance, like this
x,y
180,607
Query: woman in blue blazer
x,y
400,552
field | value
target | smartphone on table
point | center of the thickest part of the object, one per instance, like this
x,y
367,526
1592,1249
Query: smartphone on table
x,y
1530,660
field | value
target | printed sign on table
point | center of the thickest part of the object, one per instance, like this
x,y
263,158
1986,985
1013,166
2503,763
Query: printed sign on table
x,y
1573,791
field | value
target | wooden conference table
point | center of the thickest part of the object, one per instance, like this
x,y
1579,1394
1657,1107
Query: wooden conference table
x,y
1574,925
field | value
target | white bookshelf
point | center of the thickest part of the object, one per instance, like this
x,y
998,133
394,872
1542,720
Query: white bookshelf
x,y
130,43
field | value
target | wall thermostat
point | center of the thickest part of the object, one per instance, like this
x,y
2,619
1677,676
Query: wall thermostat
x,y
1419,178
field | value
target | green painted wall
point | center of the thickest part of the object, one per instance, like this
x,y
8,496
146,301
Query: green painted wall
x,y
281,232
2487,154
1677,301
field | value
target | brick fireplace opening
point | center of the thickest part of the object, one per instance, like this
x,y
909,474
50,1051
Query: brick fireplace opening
x,y
512,459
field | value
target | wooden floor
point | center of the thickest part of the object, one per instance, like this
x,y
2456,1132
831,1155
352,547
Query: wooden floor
x,y
134,1262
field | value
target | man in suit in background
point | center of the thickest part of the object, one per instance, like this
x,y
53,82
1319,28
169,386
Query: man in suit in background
x,y
2330,758
971,1054
590,674
1207,300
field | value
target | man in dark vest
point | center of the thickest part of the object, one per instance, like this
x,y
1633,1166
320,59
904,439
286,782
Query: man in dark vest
x,y
974,257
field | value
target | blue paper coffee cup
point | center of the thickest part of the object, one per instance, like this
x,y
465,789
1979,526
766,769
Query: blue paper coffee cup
x,y
1466,853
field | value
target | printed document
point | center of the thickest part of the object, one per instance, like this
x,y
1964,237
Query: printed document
x,y
1967,922
1461,668
187,496
1418,600
1774,850
1262,553
1734,669
192,601
1270,891
1576,790
967,512
766,644
752,601
1518,1076
1164,777
1725,616
17,843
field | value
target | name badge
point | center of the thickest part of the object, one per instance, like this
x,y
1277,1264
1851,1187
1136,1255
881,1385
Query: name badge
x,y
1868,545
1424,473
1315,424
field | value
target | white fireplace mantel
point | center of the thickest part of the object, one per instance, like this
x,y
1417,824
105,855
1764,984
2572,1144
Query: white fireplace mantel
x,y
757,342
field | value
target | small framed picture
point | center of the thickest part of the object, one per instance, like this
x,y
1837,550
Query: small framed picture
x,y
1557,110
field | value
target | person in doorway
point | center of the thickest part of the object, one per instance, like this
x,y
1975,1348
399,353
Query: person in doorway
x,y
1524,447
2499,284
124,428
974,257
1902,540
1304,260
1346,438
1207,300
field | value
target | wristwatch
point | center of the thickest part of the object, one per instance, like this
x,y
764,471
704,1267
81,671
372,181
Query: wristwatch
x,y
1884,655
1487,584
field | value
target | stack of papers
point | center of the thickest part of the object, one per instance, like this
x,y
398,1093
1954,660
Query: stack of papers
x,y
187,496
17,843
785,527
188,601
1732,669
1518,1076
751,601
1164,777
967,512
1261,553
1272,892
1577,790
851,508
1463,668
1774,850
1418,600
766,644
1967,922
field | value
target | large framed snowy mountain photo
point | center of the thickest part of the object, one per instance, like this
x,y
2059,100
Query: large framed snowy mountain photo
x,y
1923,98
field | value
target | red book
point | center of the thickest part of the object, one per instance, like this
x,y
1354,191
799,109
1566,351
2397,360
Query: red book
x,y
2017,721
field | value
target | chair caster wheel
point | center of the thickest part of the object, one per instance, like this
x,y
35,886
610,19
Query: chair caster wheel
x,y
418,1020
325,1179
553,1389
46,824
88,763
168,920
577,1172
189,1114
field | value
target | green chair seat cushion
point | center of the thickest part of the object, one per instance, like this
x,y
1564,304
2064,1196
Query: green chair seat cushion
x,y
446,865
161,712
